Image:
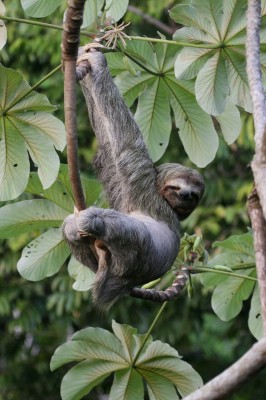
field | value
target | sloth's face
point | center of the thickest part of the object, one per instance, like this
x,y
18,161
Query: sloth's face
x,y
183,193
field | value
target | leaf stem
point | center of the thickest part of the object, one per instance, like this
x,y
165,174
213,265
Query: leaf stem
x,y
243,266
91,34
34,87
185,44
43,24
149,331
203,269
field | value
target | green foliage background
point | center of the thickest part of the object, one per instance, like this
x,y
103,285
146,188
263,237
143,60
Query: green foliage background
x,y
35,318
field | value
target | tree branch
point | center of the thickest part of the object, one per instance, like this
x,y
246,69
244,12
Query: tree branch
x,y
257,200
70,43
258,97
151,20
233,377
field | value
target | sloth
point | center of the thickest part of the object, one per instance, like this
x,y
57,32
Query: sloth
x,y
137,239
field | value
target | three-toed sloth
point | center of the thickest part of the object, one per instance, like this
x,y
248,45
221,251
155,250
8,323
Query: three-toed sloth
x,y
137,239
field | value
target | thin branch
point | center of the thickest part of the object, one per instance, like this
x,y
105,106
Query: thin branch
x,y
151,20
257,200
233,377
70,43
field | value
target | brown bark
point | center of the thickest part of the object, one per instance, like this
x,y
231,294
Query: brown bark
x,y
257,200
70,44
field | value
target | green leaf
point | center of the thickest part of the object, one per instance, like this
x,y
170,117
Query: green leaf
x,y
29,215
104,353
153,118
242,244
234,18
84,277
3,30
230,122
212,10
92,190
166,55
116,63
26,127
159,388
91,12
193,35
140,342
156,350
40,148
255,319
159,358
127,385
231,292
116,9
40,8
131,86
228,296
143,54
58,193
43,256
238,250
125,334
237,78
180,373
82,378
80,350
189,15
61,193
189,61
103,338
196,129
14,162
212,86
209,22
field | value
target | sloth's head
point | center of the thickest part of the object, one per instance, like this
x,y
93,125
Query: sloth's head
x,y
181,187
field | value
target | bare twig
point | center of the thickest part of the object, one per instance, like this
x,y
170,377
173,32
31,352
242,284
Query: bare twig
x,y
151,20
70,45
233,377
257,200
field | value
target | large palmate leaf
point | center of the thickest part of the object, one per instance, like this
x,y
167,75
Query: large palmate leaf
x,y
26,126
3,31
231,291
219,28
158,92
40,8
100,353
